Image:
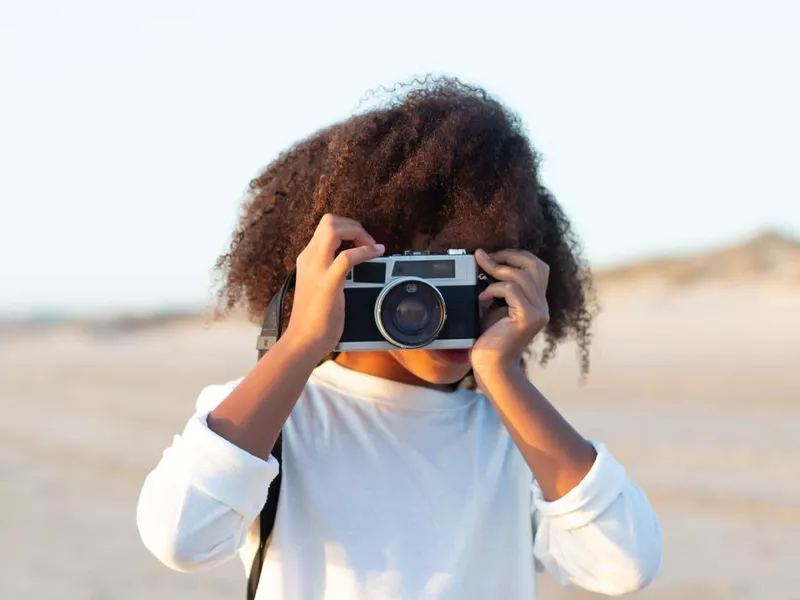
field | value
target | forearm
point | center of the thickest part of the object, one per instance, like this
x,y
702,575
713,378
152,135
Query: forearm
x,y
252,416
558,456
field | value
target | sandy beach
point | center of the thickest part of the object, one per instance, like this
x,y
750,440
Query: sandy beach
x,y
694,389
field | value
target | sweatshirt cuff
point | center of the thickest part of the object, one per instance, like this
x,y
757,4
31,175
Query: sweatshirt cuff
x,y
223,470
590,498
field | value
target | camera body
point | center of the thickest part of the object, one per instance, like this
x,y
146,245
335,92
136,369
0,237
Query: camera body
x,y
411,301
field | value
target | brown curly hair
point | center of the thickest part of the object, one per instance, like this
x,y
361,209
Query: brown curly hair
x,y
439,164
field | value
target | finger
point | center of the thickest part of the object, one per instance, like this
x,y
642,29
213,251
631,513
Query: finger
x,y
335,224
347,259
510,292
333,230
519,309
492,317
505,273
341,219
537,268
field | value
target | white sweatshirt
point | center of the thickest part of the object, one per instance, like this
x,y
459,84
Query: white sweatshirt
x,y
393,492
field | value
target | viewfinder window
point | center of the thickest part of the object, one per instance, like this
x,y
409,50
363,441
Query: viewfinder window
x,y
370,272
426,269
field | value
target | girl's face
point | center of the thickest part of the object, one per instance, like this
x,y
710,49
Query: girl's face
x,y
435,367
429,368
444,367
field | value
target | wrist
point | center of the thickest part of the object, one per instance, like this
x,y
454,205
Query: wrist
x,y
499,374
302,349
497,367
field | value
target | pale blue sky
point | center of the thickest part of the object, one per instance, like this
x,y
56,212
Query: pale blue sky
x,y
129,130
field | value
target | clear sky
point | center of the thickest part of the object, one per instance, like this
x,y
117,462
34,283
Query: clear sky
x,y
129,130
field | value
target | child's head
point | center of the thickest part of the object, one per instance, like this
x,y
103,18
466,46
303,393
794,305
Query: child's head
x,y
442,165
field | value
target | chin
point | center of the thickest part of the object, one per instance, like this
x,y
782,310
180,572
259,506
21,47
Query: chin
x,y
435,366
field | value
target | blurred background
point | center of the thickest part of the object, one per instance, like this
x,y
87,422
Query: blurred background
x,y
128,134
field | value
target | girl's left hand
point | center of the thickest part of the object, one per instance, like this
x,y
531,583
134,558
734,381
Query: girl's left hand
x,y
522,283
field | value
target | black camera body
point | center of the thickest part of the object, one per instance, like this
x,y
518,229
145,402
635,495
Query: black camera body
x,y
411,301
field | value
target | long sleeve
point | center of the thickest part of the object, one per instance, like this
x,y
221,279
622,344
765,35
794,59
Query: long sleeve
x,y
197,504
603,536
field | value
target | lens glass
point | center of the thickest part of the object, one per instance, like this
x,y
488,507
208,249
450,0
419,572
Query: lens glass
x,y
411,314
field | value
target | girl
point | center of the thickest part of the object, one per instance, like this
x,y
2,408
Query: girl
x,y
400,480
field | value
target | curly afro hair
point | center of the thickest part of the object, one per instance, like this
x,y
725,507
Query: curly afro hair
x,y
437,165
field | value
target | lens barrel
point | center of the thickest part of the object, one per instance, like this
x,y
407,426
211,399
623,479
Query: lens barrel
x,y
410,312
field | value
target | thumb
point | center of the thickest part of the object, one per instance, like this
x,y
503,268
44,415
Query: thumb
x,y
348,259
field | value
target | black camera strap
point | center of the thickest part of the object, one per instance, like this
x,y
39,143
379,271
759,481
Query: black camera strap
x,y
271,330
272,325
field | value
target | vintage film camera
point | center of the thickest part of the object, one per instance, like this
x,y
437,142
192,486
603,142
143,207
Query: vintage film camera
x,y
408,301
414,300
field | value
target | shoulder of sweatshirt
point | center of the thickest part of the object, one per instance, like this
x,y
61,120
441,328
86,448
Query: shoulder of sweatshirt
x,y
212,395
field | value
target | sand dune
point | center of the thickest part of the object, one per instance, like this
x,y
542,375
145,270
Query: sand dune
x,y
768,257
694,386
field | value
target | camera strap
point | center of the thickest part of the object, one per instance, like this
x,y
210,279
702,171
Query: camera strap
x,y
271,330
272,325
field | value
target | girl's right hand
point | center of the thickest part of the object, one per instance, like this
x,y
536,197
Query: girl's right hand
x,y
317,319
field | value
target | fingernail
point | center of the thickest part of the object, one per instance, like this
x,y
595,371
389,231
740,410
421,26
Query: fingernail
x,y
379,248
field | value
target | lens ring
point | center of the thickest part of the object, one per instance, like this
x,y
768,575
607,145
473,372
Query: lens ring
x,y
387,303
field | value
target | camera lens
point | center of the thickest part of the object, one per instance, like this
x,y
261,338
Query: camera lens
x,y
410,313
411,316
